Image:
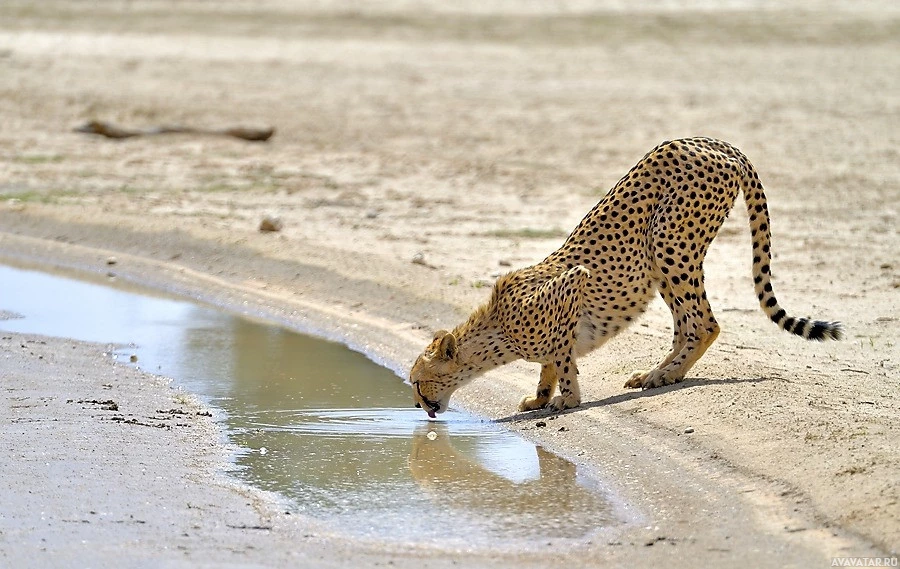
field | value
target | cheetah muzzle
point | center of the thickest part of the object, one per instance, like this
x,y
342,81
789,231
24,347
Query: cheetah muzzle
x,y
649,234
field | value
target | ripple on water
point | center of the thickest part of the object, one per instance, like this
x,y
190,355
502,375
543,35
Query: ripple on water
x,y
380,422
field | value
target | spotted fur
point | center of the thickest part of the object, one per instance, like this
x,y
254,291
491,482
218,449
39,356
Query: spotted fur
x,y
649,234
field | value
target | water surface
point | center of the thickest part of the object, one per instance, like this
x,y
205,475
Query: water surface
x,y
323,426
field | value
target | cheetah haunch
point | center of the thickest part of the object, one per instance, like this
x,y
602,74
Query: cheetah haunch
x,y
649,233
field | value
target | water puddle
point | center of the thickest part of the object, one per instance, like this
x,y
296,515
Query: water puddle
x,y
323,426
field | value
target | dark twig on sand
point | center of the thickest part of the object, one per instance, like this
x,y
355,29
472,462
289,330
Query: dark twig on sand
x,y
110,130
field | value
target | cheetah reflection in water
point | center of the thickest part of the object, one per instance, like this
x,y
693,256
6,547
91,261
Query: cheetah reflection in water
x,y
515,505
649,234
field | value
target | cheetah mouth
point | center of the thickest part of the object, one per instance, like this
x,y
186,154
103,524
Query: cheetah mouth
x,y
431,407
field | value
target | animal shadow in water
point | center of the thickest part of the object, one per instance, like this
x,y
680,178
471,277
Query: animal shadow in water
x,y
628,396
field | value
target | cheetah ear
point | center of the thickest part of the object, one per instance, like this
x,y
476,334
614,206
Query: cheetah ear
x,y
447,350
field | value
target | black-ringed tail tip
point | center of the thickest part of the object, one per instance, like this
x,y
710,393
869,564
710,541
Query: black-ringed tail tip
x,y
807,328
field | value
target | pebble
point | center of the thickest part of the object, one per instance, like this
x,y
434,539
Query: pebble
x,y
540,424
133,358
111,260
431,435
419,259
689,430
270,223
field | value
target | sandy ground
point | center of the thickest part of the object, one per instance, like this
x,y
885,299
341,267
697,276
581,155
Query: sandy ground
x,y
472,139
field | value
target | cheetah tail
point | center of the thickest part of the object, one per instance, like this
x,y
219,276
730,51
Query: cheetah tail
x,y
806,328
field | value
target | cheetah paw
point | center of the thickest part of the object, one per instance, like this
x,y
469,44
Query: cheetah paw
x,y
651,379
637,380
561,403
530,403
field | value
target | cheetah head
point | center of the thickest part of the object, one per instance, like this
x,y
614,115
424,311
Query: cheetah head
x,y
436,374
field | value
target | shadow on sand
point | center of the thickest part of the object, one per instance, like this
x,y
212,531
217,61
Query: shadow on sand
x,y
628,396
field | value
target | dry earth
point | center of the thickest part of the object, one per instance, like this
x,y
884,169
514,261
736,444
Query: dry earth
x,y
471,140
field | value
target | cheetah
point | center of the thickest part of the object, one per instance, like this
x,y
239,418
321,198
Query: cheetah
x,y
649,234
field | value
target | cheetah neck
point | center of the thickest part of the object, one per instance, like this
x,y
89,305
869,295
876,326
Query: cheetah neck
x,y
482,343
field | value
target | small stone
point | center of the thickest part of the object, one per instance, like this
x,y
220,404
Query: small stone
x,y
371,214
133,358
689,430
504,263
111,260
270,223
263,450
419,259
563,429
431,435
540,424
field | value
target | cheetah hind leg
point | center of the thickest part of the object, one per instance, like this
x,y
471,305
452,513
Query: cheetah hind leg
x,y
695,331
673,371
655,377
647,377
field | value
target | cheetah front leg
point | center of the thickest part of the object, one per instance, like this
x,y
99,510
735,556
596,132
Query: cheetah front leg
x,y
564,373
557,305
569,391
545,388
